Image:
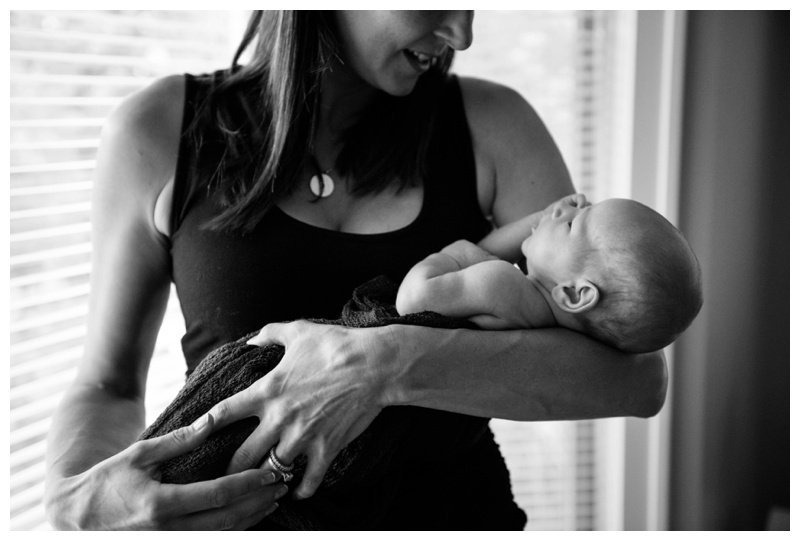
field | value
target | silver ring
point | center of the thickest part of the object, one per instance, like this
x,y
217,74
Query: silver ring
x,y
283,469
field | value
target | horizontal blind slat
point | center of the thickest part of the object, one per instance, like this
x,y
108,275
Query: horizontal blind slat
x,y
60,101
27,497
32,519
46,340
50,211
42,299
54,253
49,189
42,407
77,165
55,145
57,274
50,318
57,123
30,431
87,80
134,21
85,59
52,232
33,454
60,357
54,385
198,46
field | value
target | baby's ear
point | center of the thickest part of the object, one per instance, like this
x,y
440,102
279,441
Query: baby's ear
x,y
576,297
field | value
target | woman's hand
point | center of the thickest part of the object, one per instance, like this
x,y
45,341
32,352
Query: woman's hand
x,y
124,492
324,393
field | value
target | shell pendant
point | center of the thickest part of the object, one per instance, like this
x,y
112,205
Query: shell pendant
x,y
321,187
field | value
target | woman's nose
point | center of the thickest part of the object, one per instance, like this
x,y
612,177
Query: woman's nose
x,y
456,29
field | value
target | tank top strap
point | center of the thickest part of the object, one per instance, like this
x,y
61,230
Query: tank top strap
x,y
451,175
197,90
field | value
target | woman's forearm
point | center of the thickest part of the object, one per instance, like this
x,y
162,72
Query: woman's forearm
x,y
528,375
91,424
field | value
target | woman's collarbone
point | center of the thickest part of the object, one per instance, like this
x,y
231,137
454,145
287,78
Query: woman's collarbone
x,y
368,214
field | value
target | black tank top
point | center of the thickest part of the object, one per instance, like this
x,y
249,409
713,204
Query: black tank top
x,y
229,285
286,269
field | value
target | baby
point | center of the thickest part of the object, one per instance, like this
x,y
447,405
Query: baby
x,y
617,271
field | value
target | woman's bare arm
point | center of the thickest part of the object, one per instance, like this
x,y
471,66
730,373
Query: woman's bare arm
x,y
541,375
129,289
97,477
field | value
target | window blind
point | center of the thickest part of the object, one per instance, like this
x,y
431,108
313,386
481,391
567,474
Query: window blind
x,y
565,64
68,70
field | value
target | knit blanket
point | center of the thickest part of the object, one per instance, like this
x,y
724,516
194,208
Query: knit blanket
x,y
358,487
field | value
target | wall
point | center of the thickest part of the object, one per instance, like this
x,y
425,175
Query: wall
x,y
731,379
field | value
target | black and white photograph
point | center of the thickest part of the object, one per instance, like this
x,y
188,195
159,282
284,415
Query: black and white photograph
x,y
399,270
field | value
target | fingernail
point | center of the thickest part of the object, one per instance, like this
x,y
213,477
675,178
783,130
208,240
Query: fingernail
x,y
201,423
269,478
272,509
299,495
281,492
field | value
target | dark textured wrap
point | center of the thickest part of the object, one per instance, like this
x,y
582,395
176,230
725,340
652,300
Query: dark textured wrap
x,y
360,483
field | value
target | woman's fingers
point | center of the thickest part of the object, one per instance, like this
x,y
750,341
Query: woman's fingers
x,y
274,333
237,513
175,443
252,452
312,403
316,468
223,492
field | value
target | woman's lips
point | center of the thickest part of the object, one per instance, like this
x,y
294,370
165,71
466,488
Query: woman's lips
x,y
421,62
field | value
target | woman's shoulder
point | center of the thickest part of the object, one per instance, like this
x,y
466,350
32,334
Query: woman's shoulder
x,y
484,96
498,113
519,165
139,145
149,116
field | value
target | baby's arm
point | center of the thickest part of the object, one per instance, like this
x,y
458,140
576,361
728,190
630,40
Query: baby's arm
x,y
428,284
505,242
491,293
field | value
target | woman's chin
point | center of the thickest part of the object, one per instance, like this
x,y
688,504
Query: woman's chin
x,y
398,84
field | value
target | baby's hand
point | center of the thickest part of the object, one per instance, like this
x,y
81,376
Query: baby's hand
x,y
577,200
467,253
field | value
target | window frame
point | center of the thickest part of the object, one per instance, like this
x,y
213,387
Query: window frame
x,y
652,171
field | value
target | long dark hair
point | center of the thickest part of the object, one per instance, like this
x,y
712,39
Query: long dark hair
x,y
262,117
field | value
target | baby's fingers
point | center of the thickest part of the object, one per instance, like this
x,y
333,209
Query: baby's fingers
x,y
577,200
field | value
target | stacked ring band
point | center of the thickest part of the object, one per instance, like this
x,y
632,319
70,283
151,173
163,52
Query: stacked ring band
x,y
280,467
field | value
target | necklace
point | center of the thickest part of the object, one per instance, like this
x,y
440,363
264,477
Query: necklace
x,y
321,184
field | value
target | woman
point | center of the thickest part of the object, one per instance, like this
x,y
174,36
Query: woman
x,y
216,183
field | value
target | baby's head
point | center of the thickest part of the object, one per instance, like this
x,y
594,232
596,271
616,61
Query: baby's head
x,y
618,271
